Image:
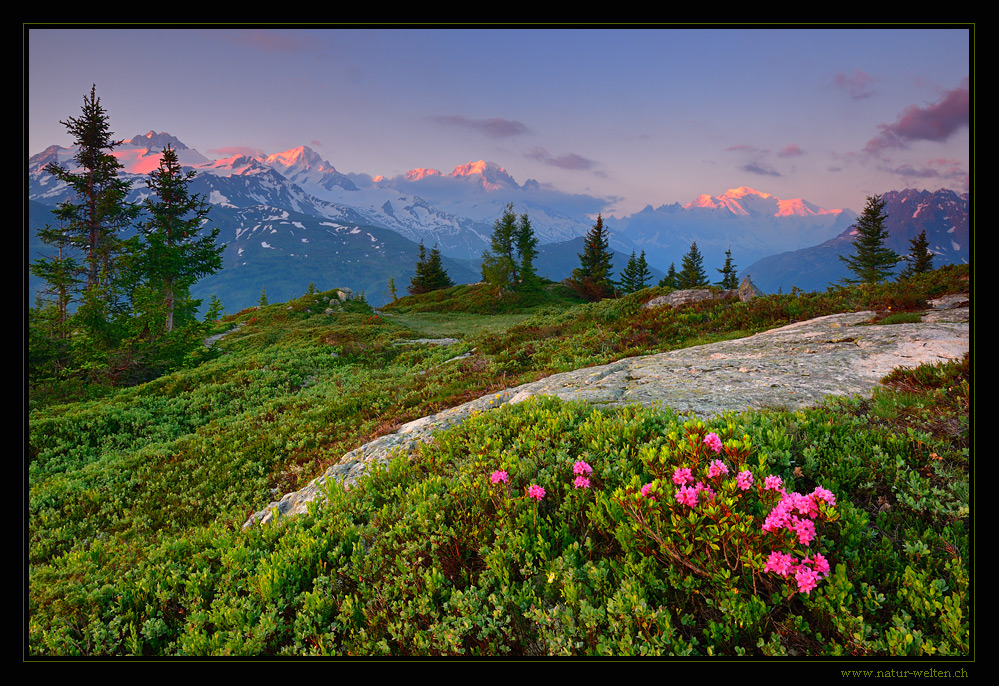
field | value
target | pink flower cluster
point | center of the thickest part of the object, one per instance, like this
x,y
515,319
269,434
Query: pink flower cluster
x,y
682,477
744,480
713,441
717,468
499,476
582,469
536,492
646,492
807,574
795,513
581,482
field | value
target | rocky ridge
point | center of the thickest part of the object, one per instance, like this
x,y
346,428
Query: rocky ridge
x,y
791,367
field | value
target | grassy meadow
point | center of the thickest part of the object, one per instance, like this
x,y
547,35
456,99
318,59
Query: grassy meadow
x,y
136,496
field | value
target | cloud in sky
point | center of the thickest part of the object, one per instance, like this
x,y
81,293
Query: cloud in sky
x,y
791,150
949,171
936,122
570,161
759,168
494,127
858,86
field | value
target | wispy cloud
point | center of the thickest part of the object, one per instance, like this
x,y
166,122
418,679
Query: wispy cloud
x,y
495,127
857,85
567,161
791,150
945,170
936,122
759,168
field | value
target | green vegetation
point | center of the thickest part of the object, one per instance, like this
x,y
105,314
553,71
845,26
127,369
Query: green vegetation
x,y
137,497
508,264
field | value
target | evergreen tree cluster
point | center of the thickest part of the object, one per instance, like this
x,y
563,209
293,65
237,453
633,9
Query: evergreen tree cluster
x,y
114,309
636,274
430,273
509,262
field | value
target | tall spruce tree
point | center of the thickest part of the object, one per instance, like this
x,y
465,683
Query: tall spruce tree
x,y
729,279
173,253
872,261
692,274
920,259
527,251
90,229
592,278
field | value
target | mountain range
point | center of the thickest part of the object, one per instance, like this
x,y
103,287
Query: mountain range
x,y
291,218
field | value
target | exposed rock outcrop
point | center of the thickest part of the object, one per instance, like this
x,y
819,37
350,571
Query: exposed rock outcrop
x,y
791,367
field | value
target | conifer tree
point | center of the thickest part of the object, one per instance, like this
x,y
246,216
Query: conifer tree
x,y
499,267
173,256
636,274
670,279
527,250
920,259
263,297
692,274
593,276
872,261
509,261
430,273
91,228
729,279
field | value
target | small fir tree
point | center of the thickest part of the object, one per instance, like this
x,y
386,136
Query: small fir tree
x,y
263,297
430,273
670,280
692,274
636,274
592,278
920,259
729,279
872,261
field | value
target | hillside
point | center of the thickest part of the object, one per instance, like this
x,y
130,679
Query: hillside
x,y
137,498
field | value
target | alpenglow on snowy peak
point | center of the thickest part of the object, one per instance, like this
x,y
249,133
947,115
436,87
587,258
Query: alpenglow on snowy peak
x,y
750,202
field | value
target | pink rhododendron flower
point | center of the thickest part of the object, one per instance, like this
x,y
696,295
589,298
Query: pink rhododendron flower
x,y
822,494
717,468
582,468
805,528
646,492
802,503
687,496
707,489
773,483
744,480
806,578
779,563
682,477
713,442
581,482
820,564
535,492
499,476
